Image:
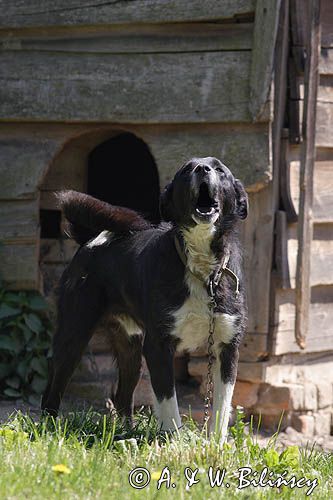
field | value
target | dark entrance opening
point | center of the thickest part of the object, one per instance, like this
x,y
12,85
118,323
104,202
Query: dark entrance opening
x,y
122,171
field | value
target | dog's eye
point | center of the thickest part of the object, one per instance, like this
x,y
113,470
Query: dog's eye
x,y
219,169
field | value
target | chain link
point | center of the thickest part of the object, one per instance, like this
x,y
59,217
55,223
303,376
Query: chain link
x,y
210,342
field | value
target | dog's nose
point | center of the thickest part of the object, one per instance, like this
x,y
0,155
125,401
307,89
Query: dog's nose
x,y
203,169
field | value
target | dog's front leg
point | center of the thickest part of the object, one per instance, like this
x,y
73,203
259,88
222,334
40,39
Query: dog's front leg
x,y
159,357
224,376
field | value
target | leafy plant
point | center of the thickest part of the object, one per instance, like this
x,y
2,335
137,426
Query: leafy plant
x,y
25,340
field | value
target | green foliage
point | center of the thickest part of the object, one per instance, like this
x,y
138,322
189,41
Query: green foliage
x,y
25,340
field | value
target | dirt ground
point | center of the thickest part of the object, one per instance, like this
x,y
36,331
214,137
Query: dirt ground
x,y
287,438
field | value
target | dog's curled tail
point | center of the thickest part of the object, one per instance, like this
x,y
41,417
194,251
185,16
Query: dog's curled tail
x,y
88,216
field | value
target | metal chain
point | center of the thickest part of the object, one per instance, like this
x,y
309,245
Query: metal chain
x,y
210,342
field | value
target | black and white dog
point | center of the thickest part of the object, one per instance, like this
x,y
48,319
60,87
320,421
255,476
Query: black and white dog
x,y
156,280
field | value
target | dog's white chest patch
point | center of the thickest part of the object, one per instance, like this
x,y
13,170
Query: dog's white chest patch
x,y
192,320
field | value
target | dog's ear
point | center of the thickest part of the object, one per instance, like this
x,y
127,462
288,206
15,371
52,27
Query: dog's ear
x,y
242,202
166,204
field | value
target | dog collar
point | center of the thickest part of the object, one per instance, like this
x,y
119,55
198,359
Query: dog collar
x,y
215,278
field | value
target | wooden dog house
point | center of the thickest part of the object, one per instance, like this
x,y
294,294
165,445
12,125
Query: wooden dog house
x,y
91,91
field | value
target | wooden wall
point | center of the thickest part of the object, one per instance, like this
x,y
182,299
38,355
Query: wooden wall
x,y
320,337
189,78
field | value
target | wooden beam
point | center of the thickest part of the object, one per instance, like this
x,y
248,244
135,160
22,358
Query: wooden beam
x,y
308,149
19,14
281,250
138,39
265,32
125,88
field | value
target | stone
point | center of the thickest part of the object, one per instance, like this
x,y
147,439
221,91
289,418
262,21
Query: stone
x,y
322,423
283,397
325,394
245,394
303,424
310,396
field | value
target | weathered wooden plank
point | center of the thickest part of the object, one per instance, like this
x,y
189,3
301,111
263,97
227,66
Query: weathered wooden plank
x,y
57,251
326,62
326,21
324,125
284,180
257,237
251,372
321,254
23,163
19,265
323,189
265,32
194,37
28,150
305,220
282,279
253,347
19,219
19,13
320,334
120,88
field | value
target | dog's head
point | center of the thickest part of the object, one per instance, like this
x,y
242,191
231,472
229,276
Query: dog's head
x,y
203,191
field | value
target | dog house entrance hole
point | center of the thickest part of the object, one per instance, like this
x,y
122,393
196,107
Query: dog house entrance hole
x,y
122,171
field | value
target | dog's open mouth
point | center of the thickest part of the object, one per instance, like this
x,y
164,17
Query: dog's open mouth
x,y
206,205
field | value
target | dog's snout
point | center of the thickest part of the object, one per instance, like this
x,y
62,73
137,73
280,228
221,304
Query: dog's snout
x,y
203,169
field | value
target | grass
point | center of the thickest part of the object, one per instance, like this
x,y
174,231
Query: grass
x,y
90,456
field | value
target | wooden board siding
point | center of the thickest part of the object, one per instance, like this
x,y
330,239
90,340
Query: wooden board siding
x,y
257,236
138,39
323,189
320,335
28,151
265,32
321,254
19,14
131,88
19,265
19,220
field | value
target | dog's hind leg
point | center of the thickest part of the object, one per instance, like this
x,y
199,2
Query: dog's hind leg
x,y
79,309
128,354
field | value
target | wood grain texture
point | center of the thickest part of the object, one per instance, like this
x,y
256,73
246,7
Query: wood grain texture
x,y
305,220
19,220
180,37
257,237
326,61
326,21
19,265
24,160
19,13
320,333
322,207
281,268
28,150
129,88
321,254
253,347
265,32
